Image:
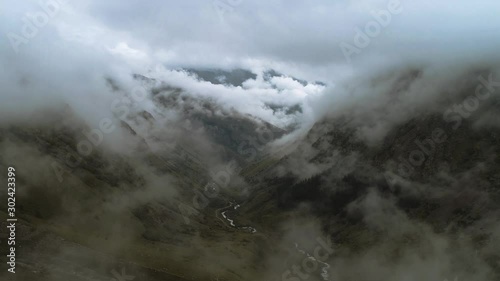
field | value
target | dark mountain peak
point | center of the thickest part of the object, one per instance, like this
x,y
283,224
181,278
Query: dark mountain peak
x,y
233,77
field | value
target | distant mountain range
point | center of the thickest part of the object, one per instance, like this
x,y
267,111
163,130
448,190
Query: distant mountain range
x,y
236,77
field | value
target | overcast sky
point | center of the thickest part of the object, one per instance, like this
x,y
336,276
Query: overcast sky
x,y
88,39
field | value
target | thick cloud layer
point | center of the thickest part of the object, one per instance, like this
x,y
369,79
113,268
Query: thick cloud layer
x,y
76,43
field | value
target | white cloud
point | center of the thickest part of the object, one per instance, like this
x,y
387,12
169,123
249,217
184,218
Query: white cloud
x,y
293,37
127,52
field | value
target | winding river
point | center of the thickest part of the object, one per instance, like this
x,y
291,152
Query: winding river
x,y
324,269
250,229
231,221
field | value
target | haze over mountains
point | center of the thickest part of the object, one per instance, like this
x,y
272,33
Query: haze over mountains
x,y
178,141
